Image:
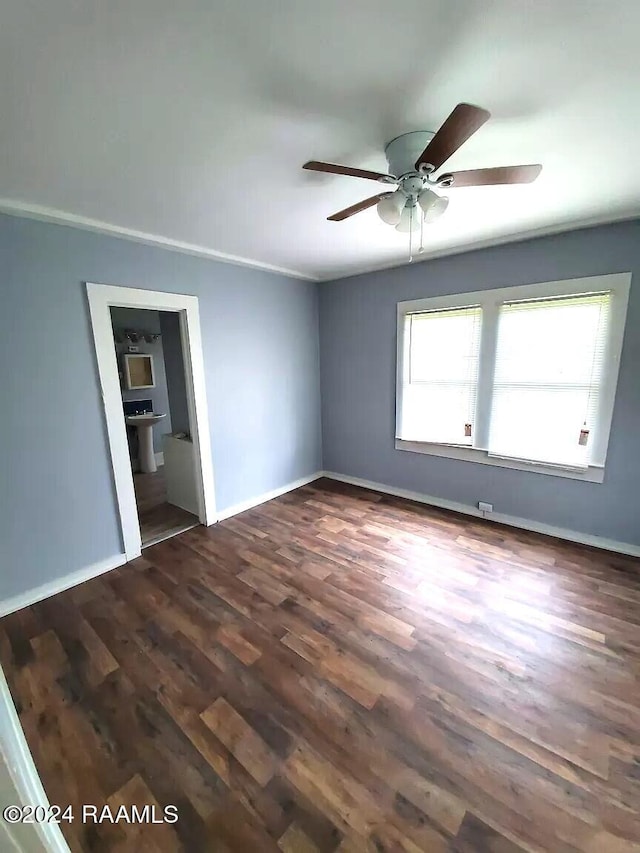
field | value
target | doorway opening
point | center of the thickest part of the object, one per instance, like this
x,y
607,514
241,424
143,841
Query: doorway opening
x,y
150,363
154,400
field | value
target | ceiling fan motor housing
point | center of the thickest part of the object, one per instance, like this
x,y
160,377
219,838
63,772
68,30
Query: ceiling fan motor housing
x,y
413,186
403,151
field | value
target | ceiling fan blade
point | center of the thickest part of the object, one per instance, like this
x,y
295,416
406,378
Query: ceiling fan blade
x,y
497,175
461,124
355,208
317,166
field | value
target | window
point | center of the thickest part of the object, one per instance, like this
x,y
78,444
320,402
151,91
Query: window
x,y
439,396
520,377
546,383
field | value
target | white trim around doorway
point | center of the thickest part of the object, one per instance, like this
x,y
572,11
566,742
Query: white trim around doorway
x,y
103,297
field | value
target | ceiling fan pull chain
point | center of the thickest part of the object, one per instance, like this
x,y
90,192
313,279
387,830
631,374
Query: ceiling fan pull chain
x,y
421,250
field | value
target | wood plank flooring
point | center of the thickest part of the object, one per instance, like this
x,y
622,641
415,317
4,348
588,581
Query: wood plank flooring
x,y
158,519
337,670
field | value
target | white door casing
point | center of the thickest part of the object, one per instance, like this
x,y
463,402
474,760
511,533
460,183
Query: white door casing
x,y
102,297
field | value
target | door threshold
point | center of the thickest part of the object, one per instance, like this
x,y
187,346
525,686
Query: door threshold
x,y
169,534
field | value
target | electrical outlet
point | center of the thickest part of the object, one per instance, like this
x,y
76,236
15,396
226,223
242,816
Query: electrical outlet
x,y
485,507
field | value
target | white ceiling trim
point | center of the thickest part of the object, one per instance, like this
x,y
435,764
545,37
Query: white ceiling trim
x,y
61,217
519,237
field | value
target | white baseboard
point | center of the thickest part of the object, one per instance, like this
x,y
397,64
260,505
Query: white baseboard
x,y
267,496
20,781
499,518
39,593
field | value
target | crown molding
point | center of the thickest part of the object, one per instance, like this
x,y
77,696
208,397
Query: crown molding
x,y
488,243
61,217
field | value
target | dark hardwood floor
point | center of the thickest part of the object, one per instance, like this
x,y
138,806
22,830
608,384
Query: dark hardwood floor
x,y
338,670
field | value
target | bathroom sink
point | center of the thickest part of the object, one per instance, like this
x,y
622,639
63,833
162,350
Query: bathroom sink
x,y
144,424
148,419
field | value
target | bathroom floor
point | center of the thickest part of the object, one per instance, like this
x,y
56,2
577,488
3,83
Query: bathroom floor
x,y
158,519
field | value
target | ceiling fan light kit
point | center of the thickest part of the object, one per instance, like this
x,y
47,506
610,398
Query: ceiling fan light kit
x,y
413,160
390,207
433,206
409,219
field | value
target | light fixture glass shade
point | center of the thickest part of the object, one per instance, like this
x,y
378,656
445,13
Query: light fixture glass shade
x,y
390,207
432,204
437,209
409,219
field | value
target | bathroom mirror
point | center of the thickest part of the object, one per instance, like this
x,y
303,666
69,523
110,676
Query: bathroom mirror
x,y
138,371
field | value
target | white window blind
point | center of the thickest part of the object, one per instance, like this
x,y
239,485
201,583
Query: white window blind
x,y
547,382
440,375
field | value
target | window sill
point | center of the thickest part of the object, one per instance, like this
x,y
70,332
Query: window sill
x,y
592,474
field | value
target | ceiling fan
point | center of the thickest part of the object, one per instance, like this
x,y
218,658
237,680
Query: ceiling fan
x,y
413,160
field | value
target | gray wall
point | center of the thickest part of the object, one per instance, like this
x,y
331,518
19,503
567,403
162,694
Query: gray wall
x,y
358,362
148,321
260,342
174,370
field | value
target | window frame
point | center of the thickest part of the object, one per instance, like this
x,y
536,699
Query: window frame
x,y
406,353
490,302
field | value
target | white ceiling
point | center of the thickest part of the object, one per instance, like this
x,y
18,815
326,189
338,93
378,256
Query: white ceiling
x,y
190,120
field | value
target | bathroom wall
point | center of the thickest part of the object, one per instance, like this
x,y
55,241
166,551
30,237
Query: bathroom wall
x,y
174,368
261,361
148,321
